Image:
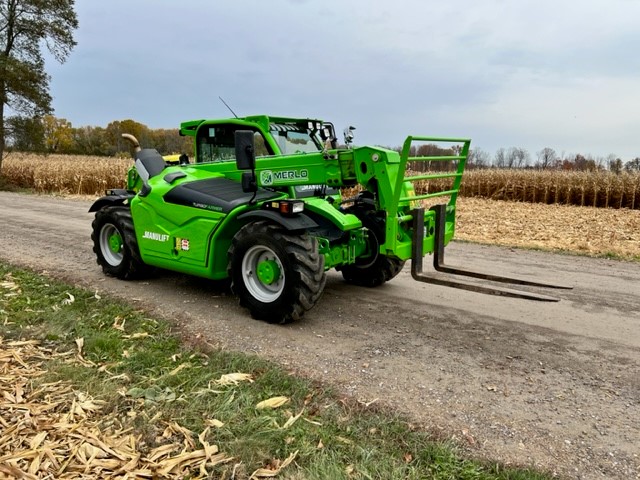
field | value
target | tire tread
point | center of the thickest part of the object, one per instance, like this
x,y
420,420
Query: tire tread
x,y
132,266
308,267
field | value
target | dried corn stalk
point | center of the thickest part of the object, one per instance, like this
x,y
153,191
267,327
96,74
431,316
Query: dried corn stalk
x,y
52,431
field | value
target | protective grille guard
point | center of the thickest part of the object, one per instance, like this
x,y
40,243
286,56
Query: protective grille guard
x,y
438,264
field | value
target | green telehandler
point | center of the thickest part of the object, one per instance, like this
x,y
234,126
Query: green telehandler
x,y
261,204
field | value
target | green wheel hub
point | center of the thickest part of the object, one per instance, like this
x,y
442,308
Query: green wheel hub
x,y
115,242
263,273
111,244
268,271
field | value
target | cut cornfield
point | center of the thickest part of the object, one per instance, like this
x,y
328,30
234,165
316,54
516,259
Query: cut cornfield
x,y
86,175
65,174
587,189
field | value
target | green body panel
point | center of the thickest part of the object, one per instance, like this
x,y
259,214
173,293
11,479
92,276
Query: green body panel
x,y
178,239
343,221
346,252
196,240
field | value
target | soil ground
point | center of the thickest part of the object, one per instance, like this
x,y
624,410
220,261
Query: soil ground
x,y
552,385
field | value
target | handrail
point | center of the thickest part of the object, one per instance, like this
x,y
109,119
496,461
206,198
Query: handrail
x,y
456,174
413,198
442,158
431,176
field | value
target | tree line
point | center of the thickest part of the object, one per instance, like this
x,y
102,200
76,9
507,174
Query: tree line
x,y
48,134
549,159
520,158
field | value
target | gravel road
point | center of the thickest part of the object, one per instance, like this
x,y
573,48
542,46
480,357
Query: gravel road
x,y
552,385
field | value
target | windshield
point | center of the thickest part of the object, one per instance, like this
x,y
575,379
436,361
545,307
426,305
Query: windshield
x,y
295,138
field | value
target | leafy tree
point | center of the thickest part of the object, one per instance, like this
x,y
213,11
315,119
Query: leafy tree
x,y
90,141
114,135
58,134
25,134
168,141
633,165
613,163
25,26
584,164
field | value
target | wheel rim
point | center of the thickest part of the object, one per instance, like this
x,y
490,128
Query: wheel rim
x,y
111,245
263,274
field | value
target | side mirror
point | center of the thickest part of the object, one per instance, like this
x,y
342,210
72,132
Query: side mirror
x,y
245,150
249,182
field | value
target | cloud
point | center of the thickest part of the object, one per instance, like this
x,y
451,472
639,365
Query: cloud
x,y
528,73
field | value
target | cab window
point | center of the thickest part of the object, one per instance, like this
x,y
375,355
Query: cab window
x,y
216,143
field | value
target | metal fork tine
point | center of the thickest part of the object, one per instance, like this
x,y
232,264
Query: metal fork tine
x,y
438,263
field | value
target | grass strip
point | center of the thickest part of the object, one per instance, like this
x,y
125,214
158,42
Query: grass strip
x,y
164,392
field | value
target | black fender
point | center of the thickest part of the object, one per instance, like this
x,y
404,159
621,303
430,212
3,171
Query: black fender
x,y
298,222
114,197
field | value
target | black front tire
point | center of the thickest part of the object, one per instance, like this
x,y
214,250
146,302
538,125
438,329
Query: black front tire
x,y
115,244
277,275
374,269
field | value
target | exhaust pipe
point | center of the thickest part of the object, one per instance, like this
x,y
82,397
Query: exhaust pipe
x,y
133,140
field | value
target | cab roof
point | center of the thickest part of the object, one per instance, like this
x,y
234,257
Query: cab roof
x,y
190,127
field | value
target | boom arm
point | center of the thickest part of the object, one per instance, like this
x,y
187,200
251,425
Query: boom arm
x,y
380,171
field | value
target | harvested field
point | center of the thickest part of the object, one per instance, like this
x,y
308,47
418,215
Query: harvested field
x,y
585,230
593,189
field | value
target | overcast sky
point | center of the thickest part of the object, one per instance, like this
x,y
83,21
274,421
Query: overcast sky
x,y
527,73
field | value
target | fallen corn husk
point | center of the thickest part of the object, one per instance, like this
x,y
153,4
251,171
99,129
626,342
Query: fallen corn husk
x,y
48,430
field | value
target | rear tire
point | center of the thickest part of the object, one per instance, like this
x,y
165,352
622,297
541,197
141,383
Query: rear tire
x,y
115,244
276,275
375,269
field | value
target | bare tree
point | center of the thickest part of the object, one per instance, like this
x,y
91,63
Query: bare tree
x,y
478,158
547,158
500,158
517,157
511,157
614,163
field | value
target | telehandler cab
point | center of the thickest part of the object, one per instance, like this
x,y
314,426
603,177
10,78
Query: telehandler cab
x,y
262,205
